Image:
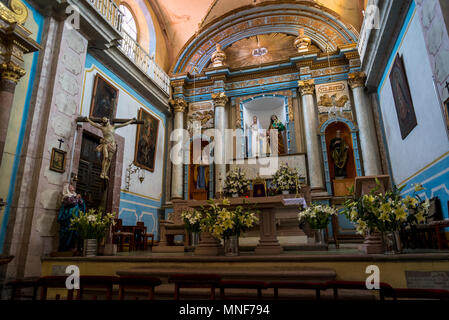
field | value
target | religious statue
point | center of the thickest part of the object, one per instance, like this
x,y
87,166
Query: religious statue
x,y
302,42
275,124
255,136
339,152
218,57
72,204
201,173
107,145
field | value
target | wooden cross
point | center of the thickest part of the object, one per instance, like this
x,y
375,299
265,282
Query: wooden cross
x,y
447,86
99,120
60,143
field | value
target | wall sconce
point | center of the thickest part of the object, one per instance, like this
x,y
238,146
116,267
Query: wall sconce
x,y
131,170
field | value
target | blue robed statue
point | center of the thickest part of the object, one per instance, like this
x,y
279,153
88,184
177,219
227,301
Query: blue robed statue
x,y
71,206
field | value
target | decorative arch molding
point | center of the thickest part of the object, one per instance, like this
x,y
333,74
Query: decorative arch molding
x,y
355,147
322,25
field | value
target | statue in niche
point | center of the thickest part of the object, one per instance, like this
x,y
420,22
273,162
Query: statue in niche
x,y
72,204
339,152
256,136
107,145
302,42
276,124
218,57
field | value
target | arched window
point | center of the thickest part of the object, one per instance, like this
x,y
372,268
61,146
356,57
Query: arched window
x,y
129,23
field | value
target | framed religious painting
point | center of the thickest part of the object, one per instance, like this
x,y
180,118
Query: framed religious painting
x,y
402,98
146,141
104,99
57,160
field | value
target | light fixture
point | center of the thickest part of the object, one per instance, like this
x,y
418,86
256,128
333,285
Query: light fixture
x,y
131,170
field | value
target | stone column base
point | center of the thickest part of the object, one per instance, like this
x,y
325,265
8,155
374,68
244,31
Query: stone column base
x,y
373,244
208,246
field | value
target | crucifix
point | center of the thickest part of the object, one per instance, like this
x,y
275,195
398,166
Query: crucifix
x,y
107,145
447,86
61,141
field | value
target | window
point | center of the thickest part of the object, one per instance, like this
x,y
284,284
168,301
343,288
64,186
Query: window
x,y
129,23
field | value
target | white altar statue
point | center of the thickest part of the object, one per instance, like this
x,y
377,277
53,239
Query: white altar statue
x,y
256,137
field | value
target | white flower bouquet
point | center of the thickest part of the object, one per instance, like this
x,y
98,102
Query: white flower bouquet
x,y
192,220
92,224
236,182
317,215
286,178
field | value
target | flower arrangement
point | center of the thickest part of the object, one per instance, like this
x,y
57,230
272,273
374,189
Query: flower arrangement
x,y
222,222
387,212
192,220
236,182
92,224
317,215
286,178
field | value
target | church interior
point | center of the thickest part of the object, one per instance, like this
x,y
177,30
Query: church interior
x,y
234,149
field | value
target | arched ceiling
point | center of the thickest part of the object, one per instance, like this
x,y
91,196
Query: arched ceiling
x,y
321,24
180,20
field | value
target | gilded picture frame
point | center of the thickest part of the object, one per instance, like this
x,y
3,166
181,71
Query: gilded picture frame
x,y
58,160
146,141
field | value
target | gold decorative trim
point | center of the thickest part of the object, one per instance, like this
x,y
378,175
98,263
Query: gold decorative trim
x,y
11,71
306,87
179,105
17,14
220,99
357,79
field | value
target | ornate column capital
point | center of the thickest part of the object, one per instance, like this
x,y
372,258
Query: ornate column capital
x,y
357,79
11,71
220,99
178,105
306,87
18,12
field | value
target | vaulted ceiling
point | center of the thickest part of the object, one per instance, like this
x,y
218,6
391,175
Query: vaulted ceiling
x,y
182,19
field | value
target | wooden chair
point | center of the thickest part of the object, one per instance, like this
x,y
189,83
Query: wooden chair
x,y
242,284
143,236
97,282
119,236
296,285
54,282
24,283
139,283
195,281
336,285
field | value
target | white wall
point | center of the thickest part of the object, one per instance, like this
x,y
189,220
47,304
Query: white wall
x,y
428,140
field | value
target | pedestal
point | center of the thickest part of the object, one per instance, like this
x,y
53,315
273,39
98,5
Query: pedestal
x,y
268,242
208,246
373,244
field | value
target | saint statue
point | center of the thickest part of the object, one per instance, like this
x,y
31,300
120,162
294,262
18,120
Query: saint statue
x,y
201,172
218,57
275,124
339,152
255,136
71,206
107,145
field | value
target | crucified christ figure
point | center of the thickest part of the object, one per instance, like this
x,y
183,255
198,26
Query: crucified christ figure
x,y
107,145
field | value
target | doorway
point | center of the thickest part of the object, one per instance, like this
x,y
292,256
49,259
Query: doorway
x,y
89,185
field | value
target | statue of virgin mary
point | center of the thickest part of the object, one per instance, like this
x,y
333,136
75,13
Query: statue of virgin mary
x,y
255,138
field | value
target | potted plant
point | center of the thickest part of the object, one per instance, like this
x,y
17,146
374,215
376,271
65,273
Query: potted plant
x,y
236,183
225,223
317,217
387,213
286,179
92,226
192,220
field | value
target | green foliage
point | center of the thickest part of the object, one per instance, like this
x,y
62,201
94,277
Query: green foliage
x,y
92,224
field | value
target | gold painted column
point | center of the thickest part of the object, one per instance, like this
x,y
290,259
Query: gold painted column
x,y
179,106
307,90
365,123
220,100
15,41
